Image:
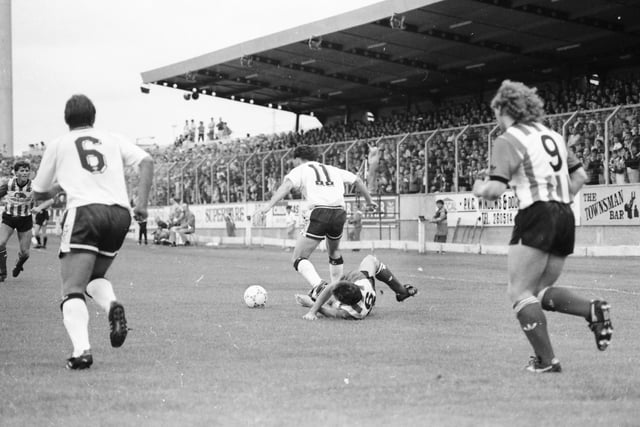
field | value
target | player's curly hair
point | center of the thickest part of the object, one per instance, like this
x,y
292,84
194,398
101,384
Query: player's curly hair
x,y
347,292
79,111
305,152
519,101
21,164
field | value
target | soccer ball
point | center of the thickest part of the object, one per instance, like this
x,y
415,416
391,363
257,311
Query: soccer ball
x,y
255,296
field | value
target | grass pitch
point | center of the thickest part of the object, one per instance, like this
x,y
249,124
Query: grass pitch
x,y
452,356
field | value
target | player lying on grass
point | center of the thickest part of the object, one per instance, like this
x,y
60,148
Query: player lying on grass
x,y
354,294
323,188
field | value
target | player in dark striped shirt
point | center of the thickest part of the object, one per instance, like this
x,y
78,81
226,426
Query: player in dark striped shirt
x,y
19,203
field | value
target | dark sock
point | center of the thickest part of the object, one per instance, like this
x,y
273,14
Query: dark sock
x,y
566,301
385,275
3,261
38,240
44,241
534,326
21,260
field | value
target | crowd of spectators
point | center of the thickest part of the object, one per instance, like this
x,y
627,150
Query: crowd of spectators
x,y
204,165
228,170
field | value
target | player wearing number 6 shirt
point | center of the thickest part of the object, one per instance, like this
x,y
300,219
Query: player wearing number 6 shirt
x,y
322,187
545,176
353,296
88,164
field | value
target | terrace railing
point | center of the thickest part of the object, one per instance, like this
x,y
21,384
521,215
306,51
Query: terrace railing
x,y
433,161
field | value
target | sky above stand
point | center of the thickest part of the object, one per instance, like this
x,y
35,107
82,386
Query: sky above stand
x,y
100,47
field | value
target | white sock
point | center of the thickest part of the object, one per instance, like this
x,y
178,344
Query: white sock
x,y
336,272
102,293
308,271
75,317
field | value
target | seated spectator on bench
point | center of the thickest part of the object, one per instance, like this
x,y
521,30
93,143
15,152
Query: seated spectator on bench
x,y
161,233
178,233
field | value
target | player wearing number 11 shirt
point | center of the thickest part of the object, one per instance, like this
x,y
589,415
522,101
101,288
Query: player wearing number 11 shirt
x,y
88,164
545,176
322,187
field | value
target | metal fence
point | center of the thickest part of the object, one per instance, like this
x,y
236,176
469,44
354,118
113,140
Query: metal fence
x,y
441,160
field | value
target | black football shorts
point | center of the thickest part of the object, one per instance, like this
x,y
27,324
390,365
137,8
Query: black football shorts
x,y
548,226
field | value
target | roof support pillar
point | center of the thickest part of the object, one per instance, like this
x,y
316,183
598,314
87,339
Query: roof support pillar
x,y
6,80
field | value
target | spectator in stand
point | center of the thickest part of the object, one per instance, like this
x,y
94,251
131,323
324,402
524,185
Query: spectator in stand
x,y
201,132
632,162
186,130
211,127
220,126
594,167
192,131
616,164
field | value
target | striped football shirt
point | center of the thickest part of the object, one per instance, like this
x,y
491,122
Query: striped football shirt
x,y
535,162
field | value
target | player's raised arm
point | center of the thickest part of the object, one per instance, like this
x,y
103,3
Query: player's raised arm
x,y
373,159
282,192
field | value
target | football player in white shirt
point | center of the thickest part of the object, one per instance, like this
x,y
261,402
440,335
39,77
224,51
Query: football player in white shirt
x,y
322,188
88,164
545,176
354,294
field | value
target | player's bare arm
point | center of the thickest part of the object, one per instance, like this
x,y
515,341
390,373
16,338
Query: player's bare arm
x,y
335,313
4,188
577,179
44,205
324,296
51,193
489,189
362,189
144,187
282,192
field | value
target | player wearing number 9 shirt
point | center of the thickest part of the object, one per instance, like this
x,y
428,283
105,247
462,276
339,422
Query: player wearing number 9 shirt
x,y
545,175
88,164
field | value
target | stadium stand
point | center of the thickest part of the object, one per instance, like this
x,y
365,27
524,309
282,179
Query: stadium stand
x,y
414,78
251,168
419,90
